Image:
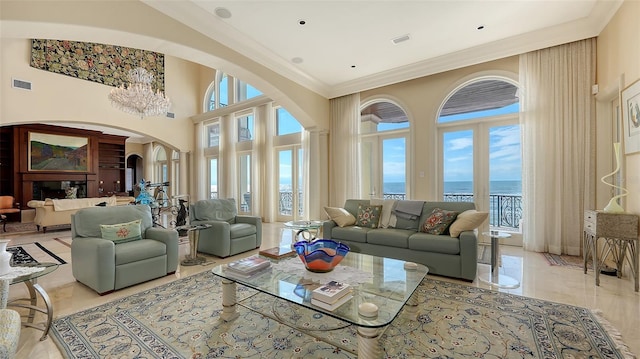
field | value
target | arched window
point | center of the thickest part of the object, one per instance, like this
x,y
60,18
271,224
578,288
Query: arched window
x,y
384,140
479,137
219,92
245,91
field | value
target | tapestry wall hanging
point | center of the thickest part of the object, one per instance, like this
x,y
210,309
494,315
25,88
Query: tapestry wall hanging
x,y
105,64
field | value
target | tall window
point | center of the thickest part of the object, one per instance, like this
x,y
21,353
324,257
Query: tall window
x,y
245,128
175,173
213,135
481,154
384,134
244,179
213,177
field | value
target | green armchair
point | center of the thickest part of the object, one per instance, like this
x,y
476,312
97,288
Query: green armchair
x,y
229,233
105,266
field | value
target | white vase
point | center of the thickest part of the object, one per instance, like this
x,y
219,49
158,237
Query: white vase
x,y
5,257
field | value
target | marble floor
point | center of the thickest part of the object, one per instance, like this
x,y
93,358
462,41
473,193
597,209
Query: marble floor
x,y
615,298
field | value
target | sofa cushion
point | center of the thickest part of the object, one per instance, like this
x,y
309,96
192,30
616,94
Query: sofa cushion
x,y
434,243
351,205
341,216
122,232
136,251
350,233
239,230
368,216
87,221
439,220
390,237
215,210
467,221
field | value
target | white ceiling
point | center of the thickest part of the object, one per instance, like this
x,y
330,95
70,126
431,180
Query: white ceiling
x,y
337,35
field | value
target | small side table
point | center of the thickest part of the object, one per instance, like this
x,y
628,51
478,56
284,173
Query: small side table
x,y
620,234
495,278
194,236
31,281
304,229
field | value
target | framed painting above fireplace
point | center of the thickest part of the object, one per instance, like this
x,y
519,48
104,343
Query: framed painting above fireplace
x,y
51,152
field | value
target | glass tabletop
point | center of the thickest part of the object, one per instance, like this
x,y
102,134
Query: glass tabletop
x,y
303,224
389,287
48,268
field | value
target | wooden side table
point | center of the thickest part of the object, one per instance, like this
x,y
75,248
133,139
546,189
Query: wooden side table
x,y
620,234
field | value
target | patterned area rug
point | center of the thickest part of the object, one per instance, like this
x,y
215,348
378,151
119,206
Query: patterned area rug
x,y
181,320
22,254
565,260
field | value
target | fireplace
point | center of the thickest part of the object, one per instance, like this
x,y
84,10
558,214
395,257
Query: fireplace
x,y
57,189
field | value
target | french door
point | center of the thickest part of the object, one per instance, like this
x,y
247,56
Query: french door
x,y
481,162
290,183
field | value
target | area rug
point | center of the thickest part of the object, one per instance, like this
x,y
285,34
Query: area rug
x,y
181,320
565,260
28,253
30,227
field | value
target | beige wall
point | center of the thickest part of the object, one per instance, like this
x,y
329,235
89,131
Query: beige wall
x,y
61,98
618,58
421,99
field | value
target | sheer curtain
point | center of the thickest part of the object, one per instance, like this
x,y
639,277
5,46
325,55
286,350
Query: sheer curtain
x,y
344,164
558,141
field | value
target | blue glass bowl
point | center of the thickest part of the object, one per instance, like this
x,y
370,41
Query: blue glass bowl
x,y
321,255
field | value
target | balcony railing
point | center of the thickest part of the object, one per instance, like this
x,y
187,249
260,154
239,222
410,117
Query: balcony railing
x,y
505,210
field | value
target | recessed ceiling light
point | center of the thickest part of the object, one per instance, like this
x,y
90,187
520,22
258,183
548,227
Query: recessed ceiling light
x,y
297,60
480,27
353,66
400,39
302,22
222,12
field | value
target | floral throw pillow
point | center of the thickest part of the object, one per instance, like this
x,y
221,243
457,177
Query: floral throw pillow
x,y
439,221
122,232
368,216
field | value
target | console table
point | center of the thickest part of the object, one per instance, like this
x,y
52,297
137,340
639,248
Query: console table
x,y
620,234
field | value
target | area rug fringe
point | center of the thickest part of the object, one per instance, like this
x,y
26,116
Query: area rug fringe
x,y
615,335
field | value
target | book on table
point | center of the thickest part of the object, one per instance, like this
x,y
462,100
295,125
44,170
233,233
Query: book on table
x,y
331,307
278,252
248,266
331,292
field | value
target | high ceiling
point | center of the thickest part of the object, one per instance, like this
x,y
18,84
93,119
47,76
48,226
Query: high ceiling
x,y
341,47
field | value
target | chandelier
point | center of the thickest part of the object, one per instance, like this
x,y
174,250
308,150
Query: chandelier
x,y
138,98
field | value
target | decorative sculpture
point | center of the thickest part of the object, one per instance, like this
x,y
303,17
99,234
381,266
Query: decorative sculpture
x,y
614,206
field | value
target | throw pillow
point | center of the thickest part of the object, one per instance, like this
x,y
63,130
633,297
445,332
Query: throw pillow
x,y
368,216
122,232
467,221
340,215
439,221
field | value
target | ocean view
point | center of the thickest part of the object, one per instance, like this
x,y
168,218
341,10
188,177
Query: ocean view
x,y
496,187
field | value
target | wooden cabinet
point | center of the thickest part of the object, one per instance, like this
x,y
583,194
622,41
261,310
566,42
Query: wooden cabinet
x,y
111,164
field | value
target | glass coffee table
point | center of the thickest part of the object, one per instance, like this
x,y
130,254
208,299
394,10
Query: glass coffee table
x,y
384,287
31,281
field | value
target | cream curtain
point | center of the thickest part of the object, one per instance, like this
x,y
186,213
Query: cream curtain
x,y
344,164
558,141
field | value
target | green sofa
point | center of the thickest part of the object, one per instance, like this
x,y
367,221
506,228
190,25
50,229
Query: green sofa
x,y
444,255
229,233
105,266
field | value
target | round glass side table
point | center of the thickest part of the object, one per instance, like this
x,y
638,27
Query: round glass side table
x,y
306,230
494,278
